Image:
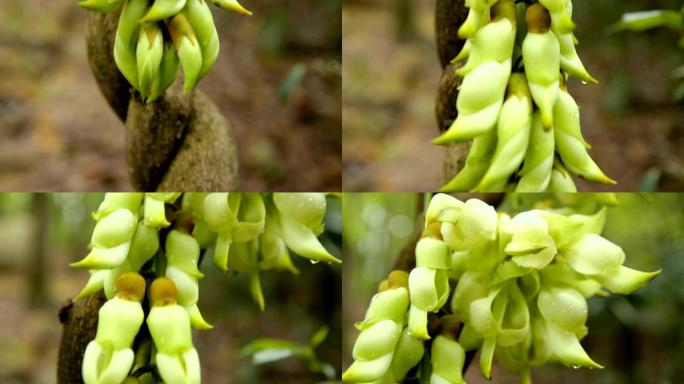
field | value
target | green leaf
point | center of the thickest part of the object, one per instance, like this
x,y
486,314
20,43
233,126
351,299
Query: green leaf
x,y
645,20
319,336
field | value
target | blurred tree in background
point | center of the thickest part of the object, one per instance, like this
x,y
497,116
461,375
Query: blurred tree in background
x,y
60,225
638,338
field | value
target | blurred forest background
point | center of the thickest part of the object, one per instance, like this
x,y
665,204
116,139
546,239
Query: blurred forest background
x,y
40,234
391,73
277,81
638,338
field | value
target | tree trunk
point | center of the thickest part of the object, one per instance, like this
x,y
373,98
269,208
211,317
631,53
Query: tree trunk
x,y
179,142
80,326
449,15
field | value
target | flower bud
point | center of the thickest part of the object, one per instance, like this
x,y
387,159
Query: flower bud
x,y
274,253
231,5
110,242
569,142
386,305
570,61
625,280
169,325
565,347
492,42
478,14
149,52
220,214
476,226
538,163
476,164
531,246
429,291
105,6
163,9
188,49
251,218
593,255
117,200
168,69
561,180
119,320
155,208
560,11
299,230
541,57
126,40
200,18
464,53
408,353
513,135
479,101
432,253
380,333
447,357
182,253
443,207
565,307
306,208
376,340
471,286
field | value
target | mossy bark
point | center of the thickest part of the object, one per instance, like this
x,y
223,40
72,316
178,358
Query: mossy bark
x,y
449,15
179,142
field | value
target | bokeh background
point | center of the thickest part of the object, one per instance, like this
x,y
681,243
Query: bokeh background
x,y
391,73
40,234
57,132
638,338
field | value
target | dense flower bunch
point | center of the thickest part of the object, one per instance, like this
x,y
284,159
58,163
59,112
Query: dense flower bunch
x,y
242,232
521,286
154,36
513,101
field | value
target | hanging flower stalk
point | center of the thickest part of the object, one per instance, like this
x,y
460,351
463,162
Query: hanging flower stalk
x,y
519,294
155,38
513,101
250,232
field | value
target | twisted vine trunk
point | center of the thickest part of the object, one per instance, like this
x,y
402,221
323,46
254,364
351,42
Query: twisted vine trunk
x,y
80,325
449,15
179,142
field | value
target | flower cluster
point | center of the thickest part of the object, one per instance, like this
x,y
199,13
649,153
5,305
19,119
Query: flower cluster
x,y
513,101
242,232
521,285
153,37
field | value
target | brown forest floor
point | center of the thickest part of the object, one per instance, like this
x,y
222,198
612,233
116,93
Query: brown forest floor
x,y
57,132
390,87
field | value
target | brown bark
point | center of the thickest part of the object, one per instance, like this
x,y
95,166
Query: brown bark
x,y
179,142
80,326
449,15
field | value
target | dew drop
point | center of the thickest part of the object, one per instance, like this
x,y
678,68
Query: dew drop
x,y
584,82
314,261
575,367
